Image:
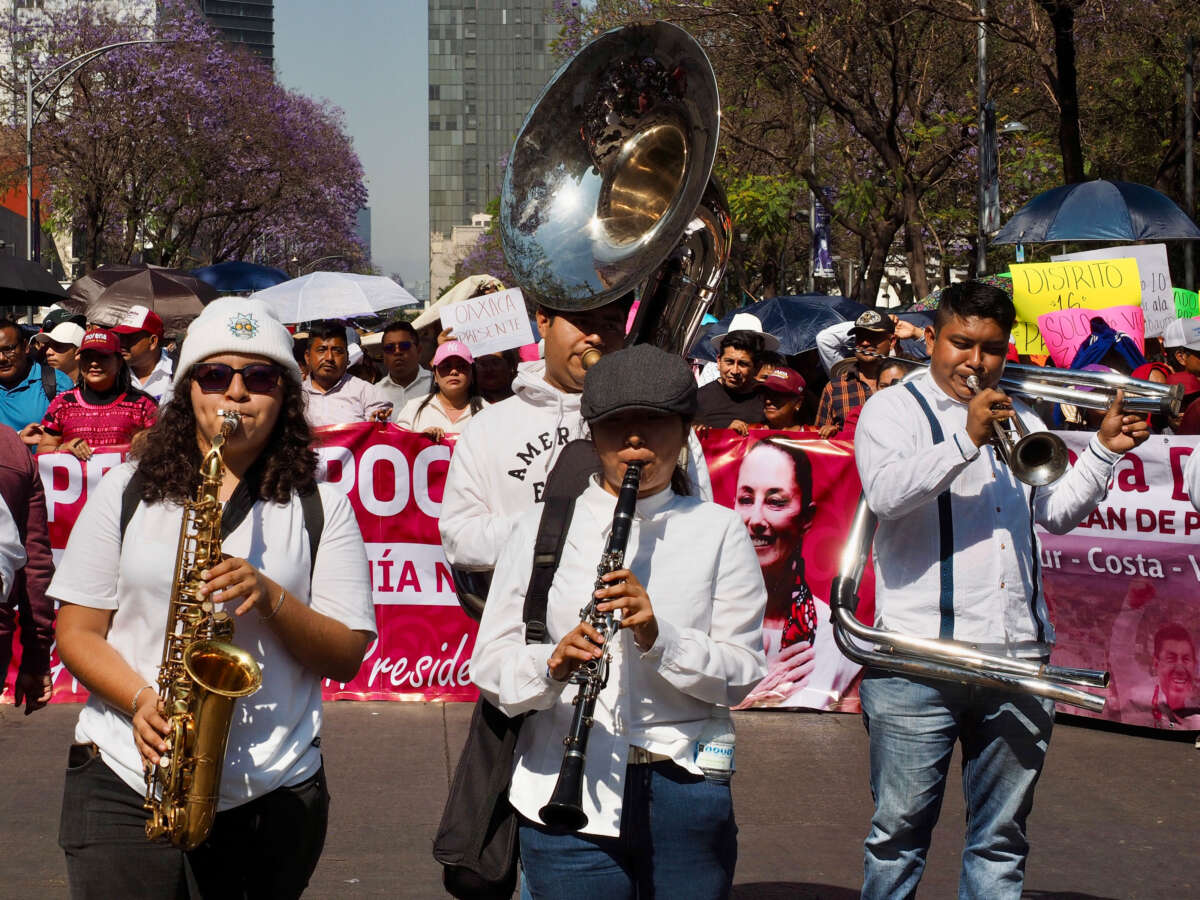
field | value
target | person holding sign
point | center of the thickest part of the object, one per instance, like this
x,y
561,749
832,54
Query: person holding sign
x,y
449,406
956,557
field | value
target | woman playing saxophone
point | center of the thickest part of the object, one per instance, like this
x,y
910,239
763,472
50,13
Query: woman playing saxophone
x,y
688,602
301,616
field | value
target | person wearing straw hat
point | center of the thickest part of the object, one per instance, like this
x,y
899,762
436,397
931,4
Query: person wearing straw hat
x,y
733,400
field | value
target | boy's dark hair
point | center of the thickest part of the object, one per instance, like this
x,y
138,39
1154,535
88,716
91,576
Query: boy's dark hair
x,y
741,340
326,329
967,299
399,325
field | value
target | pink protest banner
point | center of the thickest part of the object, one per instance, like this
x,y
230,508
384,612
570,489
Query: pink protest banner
x,y
1124,587
1063,330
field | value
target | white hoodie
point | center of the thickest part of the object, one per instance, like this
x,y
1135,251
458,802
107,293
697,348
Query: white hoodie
x,y
501,462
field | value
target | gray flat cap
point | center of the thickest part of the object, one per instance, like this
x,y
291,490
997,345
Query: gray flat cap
x,y
640,377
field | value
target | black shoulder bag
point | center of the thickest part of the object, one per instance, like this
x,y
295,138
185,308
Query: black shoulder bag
x,y
477,840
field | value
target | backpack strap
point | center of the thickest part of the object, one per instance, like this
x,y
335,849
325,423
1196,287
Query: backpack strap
x,y
547,551
314,524
49,384
130,498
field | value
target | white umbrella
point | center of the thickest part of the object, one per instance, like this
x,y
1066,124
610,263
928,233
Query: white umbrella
x,y
333,295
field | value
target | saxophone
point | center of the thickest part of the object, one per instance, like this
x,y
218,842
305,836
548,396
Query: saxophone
x,y
201,674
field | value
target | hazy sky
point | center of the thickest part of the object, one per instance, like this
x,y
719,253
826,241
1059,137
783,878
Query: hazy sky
x,y
368,57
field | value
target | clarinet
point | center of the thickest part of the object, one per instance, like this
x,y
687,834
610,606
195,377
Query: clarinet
x,y
565,809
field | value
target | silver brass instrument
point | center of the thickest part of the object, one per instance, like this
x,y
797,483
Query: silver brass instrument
x,y
201,674
608,186
1034,458
564,810
942,660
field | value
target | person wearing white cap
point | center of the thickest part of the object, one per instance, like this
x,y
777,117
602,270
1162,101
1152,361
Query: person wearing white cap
x,y
302,606
59,347
448,407
733,400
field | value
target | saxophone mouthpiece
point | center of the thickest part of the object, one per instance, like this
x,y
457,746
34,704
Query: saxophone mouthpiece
x,y
229,421
590,357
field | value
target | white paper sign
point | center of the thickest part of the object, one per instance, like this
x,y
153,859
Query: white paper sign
x,y
1158,300
493,322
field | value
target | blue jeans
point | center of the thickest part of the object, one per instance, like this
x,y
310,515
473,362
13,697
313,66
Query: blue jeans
x,y
678,839
913,726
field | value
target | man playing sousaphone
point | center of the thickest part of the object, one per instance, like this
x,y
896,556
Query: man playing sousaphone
x,y
956,557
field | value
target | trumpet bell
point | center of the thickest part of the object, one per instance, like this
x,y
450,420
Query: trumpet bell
x,y
609,166
1038,459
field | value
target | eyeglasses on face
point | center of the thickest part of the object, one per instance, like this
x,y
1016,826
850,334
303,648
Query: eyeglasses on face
x,y
10,350
398,347
259,378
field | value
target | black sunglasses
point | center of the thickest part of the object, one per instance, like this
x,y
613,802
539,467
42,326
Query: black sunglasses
x,y
398,347
260,378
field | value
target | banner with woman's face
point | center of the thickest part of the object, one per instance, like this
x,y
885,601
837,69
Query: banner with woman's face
x,y
796,495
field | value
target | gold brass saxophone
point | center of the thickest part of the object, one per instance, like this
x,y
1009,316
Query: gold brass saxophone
x,y
201,676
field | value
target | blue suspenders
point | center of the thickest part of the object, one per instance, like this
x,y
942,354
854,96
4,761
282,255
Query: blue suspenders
x,y
946,531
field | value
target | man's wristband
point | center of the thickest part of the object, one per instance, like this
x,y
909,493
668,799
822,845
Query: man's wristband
x,y
137,695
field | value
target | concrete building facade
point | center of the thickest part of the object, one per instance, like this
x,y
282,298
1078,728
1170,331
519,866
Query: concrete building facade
x,y
488,61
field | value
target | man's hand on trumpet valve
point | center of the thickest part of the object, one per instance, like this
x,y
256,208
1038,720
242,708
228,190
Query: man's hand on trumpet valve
x,y
1120,432
985,408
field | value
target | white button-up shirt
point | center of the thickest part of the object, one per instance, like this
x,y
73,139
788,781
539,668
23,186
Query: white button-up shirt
x,y
989,593
699,569
400,394
350,400
158,383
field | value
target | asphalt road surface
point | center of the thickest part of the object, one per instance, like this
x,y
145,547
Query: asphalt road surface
x,y
1117,815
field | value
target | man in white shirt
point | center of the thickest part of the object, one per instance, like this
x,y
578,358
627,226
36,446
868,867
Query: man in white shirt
x,y
405,379
141,334
956,557
333,397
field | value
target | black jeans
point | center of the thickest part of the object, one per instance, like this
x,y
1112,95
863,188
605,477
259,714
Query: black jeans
x,y
267,848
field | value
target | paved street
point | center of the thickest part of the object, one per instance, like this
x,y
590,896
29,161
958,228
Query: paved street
x,y
1116,815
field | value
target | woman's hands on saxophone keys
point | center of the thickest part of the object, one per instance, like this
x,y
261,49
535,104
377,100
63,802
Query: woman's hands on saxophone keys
x,y
235,579
150,729
625,592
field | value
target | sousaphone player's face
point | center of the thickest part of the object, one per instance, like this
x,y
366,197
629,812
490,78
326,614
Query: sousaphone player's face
x,y
569,335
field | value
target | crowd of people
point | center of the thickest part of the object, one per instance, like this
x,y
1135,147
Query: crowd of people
x,y
714,606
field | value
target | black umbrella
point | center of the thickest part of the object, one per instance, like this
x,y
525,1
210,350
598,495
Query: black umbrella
x,y
25,283
106,293
794,320
1098,211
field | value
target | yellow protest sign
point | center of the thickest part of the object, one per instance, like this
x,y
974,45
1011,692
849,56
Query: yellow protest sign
x,y
1040,288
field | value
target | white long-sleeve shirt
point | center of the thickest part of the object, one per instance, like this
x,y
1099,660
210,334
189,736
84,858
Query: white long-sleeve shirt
x,y
501,462
988,592
12,551
1191,476
698,567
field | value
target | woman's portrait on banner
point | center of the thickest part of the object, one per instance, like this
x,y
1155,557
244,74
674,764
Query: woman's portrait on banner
x,y
774,496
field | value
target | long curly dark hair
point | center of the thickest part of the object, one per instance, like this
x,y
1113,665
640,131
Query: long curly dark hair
x,y
171,458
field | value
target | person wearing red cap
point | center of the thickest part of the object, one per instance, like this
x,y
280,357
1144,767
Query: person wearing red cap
x,y
140,332
103,409
782,392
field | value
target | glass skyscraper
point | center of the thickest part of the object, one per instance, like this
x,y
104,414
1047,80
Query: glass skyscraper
x,y
488,60
249,22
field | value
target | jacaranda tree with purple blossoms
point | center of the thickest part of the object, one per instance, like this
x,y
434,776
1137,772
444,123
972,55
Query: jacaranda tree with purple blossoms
x,y
183,153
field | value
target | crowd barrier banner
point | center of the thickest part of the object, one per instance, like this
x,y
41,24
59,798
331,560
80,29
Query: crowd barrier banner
x,y
1128,573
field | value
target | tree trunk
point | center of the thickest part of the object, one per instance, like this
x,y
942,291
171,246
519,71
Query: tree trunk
x,y
1062,18
914,246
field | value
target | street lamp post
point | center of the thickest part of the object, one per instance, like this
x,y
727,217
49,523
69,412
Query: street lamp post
x,y
31,118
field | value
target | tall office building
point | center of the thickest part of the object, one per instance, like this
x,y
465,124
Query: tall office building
x,y
488,61
251,22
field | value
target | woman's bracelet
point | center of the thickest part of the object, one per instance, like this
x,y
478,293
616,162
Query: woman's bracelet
x,y
278,605
137,696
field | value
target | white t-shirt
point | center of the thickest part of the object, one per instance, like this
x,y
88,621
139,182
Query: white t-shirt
x,y
414,418
272,732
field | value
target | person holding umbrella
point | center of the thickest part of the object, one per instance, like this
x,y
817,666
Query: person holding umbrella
x,y
104,409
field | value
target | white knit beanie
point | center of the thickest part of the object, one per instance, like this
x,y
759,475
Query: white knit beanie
x,y
236,325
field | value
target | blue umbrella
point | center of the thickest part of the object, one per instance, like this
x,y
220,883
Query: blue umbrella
x,y
1098,211
794,320
235,275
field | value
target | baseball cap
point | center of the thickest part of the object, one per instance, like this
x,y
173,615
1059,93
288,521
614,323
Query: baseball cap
x,y
641,377
783,380
62,333
100,341
139,318
452,348
56,317
875,322
1183,333
1191,384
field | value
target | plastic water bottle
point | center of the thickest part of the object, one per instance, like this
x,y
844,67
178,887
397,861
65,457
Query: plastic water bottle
x,y
715,746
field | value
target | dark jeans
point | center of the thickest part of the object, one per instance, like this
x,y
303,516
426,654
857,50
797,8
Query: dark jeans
x,y
268,847
678,840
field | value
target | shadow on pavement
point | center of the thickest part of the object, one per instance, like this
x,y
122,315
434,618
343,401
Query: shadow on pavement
x,y
791,890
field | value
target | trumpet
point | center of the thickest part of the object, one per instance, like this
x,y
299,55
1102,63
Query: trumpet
x,y
1035,459
943,660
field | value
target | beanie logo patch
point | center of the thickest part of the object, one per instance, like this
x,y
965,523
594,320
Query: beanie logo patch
x,y
243,325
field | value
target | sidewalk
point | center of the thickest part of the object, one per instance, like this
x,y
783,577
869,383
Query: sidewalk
x,y
1116,815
